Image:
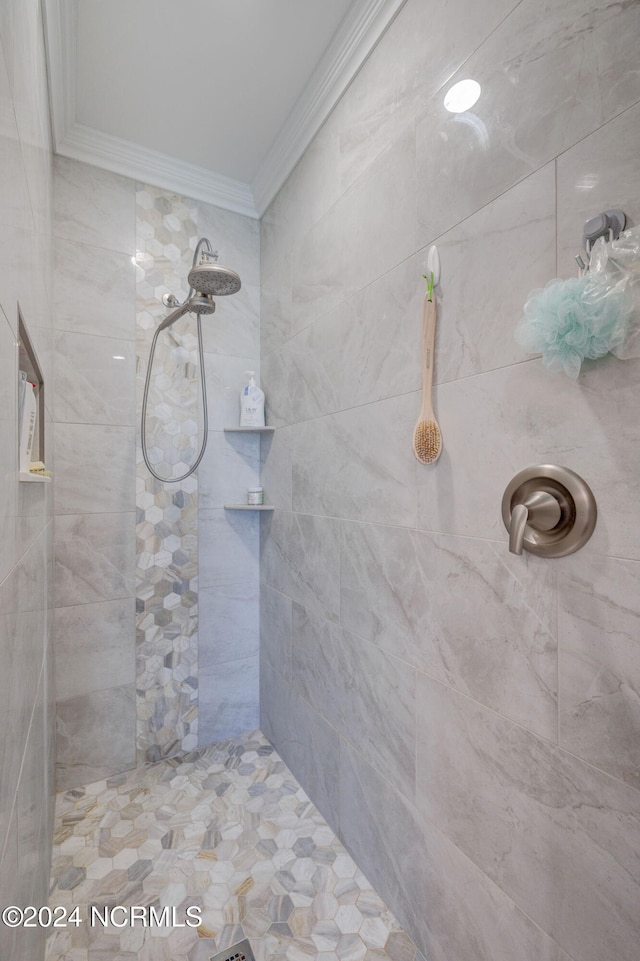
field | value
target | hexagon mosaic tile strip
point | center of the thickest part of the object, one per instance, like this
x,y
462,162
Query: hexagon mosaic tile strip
x,y
226,829
167,519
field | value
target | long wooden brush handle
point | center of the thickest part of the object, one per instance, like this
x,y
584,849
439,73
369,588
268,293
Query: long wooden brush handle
x,y
429,315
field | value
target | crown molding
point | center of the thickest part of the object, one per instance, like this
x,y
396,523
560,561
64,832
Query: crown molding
x,y
152,167
60,31
359,32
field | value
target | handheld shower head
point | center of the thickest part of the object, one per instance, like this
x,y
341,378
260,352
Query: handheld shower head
x,y
198,304
202,304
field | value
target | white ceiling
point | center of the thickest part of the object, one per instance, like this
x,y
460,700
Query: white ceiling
x,y
215,99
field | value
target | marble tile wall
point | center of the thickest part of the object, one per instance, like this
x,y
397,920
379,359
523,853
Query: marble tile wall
x,y
229,583
468,720
94,501
26,525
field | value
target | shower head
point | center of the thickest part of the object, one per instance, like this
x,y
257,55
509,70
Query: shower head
x,y
202,304
199,304
214,280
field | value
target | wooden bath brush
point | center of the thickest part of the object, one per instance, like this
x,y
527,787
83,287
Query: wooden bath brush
x,y
427,439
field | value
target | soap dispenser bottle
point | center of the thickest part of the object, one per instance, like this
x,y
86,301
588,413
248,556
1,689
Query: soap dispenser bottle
x,y
251,403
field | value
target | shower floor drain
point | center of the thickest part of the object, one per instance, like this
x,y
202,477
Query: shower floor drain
x,y
237,952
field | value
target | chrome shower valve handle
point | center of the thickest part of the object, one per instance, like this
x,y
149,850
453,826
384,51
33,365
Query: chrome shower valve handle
x,y
549,511
540,511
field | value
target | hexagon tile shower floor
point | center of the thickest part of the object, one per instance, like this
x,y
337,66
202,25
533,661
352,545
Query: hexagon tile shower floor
x,y
226,829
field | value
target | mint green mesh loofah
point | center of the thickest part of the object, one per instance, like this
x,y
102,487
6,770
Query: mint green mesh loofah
x,y
569,320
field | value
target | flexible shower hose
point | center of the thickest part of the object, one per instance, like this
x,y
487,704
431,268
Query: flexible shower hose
x,y
145,398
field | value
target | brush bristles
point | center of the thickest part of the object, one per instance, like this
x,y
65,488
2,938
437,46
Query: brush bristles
x,y
427,441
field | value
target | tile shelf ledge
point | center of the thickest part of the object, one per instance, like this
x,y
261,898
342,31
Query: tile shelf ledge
x,y
30,478
249,430
248,507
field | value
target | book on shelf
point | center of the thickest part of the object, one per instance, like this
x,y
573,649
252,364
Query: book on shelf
x,y
22,386
29,416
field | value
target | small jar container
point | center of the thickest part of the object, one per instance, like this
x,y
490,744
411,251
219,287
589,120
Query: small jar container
x,y
255,496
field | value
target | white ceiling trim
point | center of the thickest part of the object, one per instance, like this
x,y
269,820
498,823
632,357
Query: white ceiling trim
x,y
152,167
60,45
359,33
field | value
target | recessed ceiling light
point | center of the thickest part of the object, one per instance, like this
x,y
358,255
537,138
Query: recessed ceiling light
x,y
462,96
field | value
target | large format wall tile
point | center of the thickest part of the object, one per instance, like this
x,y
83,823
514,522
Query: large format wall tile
x,y
94,557
228,699
14,277
234,328
94,290
228,549
367,695
366,349
93,647
230,465
422,49
529,67
278,398
94,206
535,820
275,306
14,195
298,557
25,509
364,239
359,463
31,802
9,442
228,627
593,177
95,380
84,754
461,609
276,468
307,742
23,625
12,718
517,228
226,377
452,908
34,511
95,464
310,190
276,636
599,666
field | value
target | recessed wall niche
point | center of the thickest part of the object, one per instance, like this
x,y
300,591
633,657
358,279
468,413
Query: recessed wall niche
x,y
33,381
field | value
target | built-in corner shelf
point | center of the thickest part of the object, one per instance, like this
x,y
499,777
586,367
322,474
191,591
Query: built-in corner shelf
x,y
249,507
32,478
249,430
